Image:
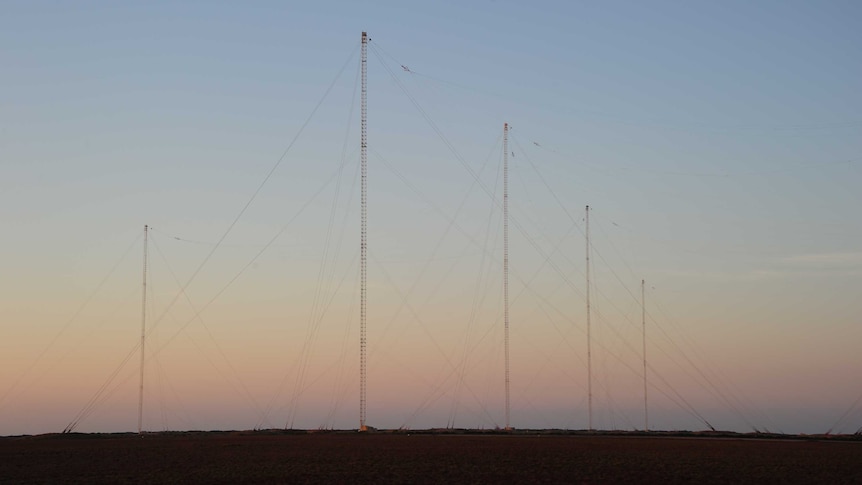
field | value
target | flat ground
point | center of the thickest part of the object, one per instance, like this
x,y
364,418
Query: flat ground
x,y
261,457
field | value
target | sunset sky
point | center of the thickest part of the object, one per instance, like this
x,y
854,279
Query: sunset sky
x,y
718,144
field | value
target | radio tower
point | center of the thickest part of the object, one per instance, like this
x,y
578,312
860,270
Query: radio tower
x,y
143,337
643,325
589,341
506,259
364,243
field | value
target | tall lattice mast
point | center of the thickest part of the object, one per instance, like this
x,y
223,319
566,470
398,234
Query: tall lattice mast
x,y
143,336
589,339
364,235
643,325
506,259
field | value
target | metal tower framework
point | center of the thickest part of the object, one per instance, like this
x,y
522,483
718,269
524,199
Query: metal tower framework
x,y
589,339
506,260
143,335
643,325
363,358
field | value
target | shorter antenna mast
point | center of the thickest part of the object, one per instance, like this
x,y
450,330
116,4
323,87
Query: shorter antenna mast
x,y
143,336
643,324
589,341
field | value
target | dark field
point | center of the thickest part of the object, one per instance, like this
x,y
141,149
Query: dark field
x,y
266,457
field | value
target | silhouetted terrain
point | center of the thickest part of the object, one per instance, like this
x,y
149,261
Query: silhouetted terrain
x,y
423,457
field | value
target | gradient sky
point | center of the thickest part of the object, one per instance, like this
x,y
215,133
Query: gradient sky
x,y
718,143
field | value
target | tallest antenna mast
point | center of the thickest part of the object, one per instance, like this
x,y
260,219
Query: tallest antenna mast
x,y
506,259
364,243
